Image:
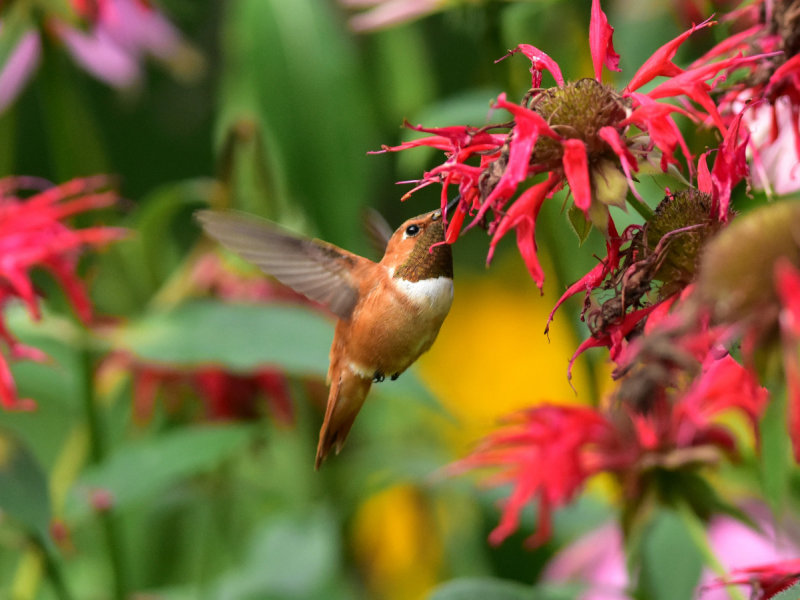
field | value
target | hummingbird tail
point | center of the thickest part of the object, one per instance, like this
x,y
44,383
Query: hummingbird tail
x,y
347,395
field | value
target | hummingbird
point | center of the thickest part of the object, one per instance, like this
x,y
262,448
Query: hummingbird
x,y
388,312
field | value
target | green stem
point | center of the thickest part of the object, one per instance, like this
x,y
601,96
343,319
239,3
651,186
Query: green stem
x,y
640,207
52,570
97,452
699,536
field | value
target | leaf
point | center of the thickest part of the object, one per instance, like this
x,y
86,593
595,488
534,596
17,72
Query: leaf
x,y
793,593
241,337
291,74
24,494
579,223
481,588
69,121
670,561
776,458
16,23
141,469
290,557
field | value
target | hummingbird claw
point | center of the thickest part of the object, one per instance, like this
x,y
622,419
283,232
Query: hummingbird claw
x,y
378,377
395,376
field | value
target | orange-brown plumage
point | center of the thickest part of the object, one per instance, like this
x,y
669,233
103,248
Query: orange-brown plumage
x,y
389,312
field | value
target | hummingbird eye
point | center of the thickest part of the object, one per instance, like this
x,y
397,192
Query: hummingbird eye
x,y
412,230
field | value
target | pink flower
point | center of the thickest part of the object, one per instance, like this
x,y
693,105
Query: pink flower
x,y
583,134
770,90
597,560
118,36
382,14
32,234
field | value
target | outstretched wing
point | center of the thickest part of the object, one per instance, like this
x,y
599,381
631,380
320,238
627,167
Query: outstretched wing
x,y
318,270
378,230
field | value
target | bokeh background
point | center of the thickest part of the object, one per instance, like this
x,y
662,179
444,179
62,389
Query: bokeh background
x,y
171,452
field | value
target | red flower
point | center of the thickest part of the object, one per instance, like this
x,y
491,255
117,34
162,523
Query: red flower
x,y
769,91
766,581
787,282
32,234
584,134
547,454
225,396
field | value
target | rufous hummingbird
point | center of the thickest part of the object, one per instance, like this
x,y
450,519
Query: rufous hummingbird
x,y
389,312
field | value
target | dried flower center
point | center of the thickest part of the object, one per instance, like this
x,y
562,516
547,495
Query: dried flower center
x,y
578,110
678,231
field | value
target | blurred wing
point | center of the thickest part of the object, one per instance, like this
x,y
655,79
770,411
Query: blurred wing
x,y
378,230
316,269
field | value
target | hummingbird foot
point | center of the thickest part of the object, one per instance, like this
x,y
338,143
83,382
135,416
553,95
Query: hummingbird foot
x,y
378,377
395,376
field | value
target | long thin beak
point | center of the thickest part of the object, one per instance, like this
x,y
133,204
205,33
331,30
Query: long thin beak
x,y
452,204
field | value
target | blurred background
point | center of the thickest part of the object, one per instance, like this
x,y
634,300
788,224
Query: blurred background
x,y
171,451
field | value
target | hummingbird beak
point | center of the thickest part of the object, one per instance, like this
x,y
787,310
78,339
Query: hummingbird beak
x,y
452,204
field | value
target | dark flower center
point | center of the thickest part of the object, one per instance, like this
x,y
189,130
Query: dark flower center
x,y
578,110
682,224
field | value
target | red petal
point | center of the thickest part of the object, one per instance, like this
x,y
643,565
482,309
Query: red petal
x,y
576,168
539,62
660,62
601,43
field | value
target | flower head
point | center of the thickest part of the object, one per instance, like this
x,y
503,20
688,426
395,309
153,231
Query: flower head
x,y
33,234
585,135
769,90
674,385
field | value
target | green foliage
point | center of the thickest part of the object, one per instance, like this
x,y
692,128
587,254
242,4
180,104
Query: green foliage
x,y
290,337
140,470
24,496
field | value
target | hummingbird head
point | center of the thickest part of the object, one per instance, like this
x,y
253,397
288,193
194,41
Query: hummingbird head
x,y
413,252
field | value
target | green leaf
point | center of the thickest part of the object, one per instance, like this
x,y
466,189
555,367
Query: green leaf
x,y
290,557
481,588
776,458
16,23
138,470
670,561
240,337
292,75
24,494
73,134
793,593
579,223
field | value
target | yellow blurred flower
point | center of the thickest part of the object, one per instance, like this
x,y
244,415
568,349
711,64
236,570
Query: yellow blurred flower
x,y
492,358
397,543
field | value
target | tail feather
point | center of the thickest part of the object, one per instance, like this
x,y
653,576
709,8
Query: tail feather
x,y
347,395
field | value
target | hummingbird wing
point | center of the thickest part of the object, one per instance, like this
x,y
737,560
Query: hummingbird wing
x,y
318,270
378,230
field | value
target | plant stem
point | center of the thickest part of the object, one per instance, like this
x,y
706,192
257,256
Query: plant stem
x,y
97,452
640,207
698,533
52,570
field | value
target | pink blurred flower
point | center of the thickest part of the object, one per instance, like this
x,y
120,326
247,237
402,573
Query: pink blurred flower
x,y
583,134
382,14
32,234
113,41
770,89
597,560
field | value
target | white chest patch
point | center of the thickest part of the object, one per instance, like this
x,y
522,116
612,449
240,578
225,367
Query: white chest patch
x,y
435,294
